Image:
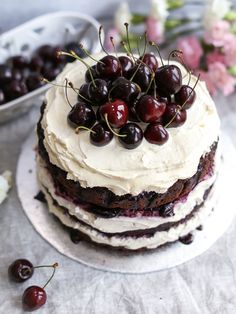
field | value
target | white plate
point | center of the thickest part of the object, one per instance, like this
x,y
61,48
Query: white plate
x,y
55,29
51,230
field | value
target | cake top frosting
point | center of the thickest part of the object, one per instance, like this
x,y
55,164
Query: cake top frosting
x,y
148,167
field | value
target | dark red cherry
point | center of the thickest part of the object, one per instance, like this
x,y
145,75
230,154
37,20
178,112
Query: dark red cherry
x,y
55,57
116,111
98,91
5,74
186,95
126,64
149,109
34,81
155,133
124,89
81,114
15,89
150,60
168,80
173,110
17,74
141,75
102,135
134,135
108,67
91,71
20,270
45,52
33,298
75,47
50,72
2,97
36,63
19,62
84,92
133,116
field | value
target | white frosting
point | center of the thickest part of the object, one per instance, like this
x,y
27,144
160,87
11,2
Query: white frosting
x,y
122,224
146,168
131,243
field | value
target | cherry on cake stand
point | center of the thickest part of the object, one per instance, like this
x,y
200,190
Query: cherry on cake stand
x,y
109,260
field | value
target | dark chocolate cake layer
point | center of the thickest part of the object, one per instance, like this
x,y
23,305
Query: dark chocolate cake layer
x,y
104,199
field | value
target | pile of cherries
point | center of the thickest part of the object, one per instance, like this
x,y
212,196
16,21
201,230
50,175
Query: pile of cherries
x,y
20,75
131,98
34,296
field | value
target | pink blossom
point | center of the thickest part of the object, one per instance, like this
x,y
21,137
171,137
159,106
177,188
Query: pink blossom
x,y
112,32
217,33
221,78
230,50
155,30
215,56
192,51
204,76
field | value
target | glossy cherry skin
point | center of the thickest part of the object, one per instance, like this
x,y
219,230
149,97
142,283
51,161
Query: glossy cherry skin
x,y
186,95
36,63
116,111
34,81
134,135
2,97
102,135
149,109
91,73
171,111
19,62
33,298
123,89
108,67
126,65
81,114
17,74
20,270
15,89
74,46
84,92
141,75
5,74
98,93
155,133
150,60
168,80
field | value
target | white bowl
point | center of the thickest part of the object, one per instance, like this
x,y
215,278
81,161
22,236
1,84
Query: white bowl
x,y
55,29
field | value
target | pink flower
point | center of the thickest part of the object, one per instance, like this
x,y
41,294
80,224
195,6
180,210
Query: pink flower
x,y
112,32
230,50
217,34
192,51
215,56
204,76
221,78
155,30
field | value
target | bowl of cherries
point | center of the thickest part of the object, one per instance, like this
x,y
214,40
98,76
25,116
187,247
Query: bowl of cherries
x,y
29,53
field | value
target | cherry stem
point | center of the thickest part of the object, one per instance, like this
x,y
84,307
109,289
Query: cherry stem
x,y
153,73
66,94
113,45
81,127
89,55
74,55
54,270
138,47
100,39
54,84
181,107
110,128
158,51
128,41
76,91
177,54
145,43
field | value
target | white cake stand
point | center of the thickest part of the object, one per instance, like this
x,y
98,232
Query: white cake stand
x,y
104,259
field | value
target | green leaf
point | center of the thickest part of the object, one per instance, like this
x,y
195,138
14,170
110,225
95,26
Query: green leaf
x,y
232,70
175,4
230,16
